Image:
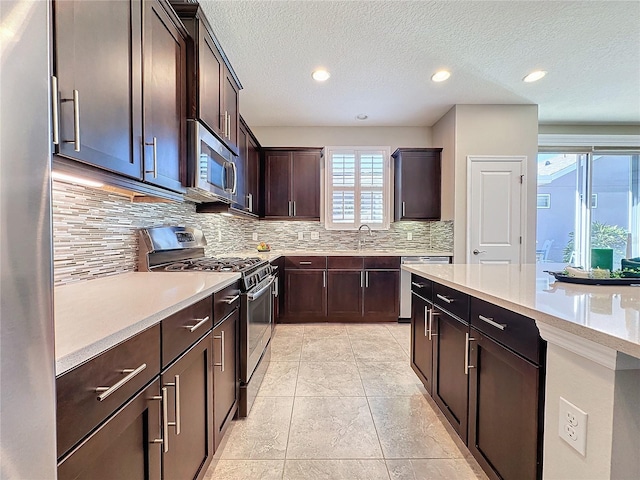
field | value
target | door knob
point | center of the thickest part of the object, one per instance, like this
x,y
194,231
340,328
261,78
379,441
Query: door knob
x,y
478,252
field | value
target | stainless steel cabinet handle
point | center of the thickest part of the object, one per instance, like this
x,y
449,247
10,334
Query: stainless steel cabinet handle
x,y
403,209
305,263
224,127
193,328
229,127
444,299
55,110
155,157
490,321
419,285
294,208
250,199
76,120
176,386
221,338
324,279
366,279
290,209
361,279
163,402
478,252
107,391
165,419
467,345
229,301
426,315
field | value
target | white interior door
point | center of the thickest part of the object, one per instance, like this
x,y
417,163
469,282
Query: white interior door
x,y
494,209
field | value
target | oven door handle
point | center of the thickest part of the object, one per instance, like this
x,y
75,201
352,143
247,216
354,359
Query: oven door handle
x,y
259,293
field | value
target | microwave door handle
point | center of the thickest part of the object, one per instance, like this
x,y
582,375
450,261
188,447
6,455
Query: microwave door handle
x,y
235,178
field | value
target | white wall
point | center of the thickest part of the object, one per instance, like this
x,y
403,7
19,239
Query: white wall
x,y
353,136
488,130
444,135
591,129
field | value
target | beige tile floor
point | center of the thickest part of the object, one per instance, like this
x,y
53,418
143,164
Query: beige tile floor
x,y
340,402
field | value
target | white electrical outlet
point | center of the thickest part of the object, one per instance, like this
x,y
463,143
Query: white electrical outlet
x,y
315,236
572,426
255,236
300,235
409,236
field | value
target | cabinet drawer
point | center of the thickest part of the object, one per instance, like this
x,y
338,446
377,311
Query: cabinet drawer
x,y
178,332
513,330
421,286
451,300
306,262
344,263
391,263
225,301
79,409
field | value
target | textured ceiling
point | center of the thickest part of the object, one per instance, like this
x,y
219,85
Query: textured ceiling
x,y
381,55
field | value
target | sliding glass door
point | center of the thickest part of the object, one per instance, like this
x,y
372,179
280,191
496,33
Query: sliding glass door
x,y
587,200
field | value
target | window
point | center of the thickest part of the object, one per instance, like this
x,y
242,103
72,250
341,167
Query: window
x,y
357,187
544,200
573,225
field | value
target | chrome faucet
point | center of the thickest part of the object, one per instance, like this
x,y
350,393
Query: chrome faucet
x,y
360,241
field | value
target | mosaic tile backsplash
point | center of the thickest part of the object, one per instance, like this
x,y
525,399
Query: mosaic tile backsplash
x,y
94,232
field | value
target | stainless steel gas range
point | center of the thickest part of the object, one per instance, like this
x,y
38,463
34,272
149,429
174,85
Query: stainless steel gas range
x,y
179,249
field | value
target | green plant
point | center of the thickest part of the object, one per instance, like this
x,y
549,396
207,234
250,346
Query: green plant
x,y
602,236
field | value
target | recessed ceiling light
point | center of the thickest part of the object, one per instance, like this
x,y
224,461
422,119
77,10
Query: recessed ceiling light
x,y
320,75
362,116
534,76
441,76
63,177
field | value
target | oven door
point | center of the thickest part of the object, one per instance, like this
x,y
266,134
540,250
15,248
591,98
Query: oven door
x,y
257,317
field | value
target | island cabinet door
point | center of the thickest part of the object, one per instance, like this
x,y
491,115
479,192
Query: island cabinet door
x,y
128,445
450,383
504,433
422,340
188,382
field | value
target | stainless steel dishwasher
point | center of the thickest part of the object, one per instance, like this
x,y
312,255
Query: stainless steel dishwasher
x,y
405,281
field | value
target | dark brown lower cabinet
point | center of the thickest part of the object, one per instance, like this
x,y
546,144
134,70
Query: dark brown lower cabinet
x,y
381,294
306,293
123,447
450,383
504,394
344,293
422,340
225,374
190,413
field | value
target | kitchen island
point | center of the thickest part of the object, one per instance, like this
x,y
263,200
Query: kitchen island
x,y
593,358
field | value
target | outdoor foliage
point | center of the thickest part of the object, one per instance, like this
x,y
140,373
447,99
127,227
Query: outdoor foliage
x,y
602,236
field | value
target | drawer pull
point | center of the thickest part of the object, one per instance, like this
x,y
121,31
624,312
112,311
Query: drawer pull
x,y
193,328
419,285
107,391
221,338
444,299
229,301
490,321
305,263
467,346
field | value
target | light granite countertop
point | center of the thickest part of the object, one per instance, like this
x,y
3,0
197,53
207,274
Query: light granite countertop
x,y
93,316
607,315
275,254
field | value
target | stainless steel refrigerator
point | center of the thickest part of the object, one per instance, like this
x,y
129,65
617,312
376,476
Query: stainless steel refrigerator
x,y
27,361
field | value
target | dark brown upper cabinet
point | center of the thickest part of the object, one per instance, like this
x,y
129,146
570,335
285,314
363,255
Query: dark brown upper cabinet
x,y
292,183
104,119
164,98
417,183
98,68
248,167
213,85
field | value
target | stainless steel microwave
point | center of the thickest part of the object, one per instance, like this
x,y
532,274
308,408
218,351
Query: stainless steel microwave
x,y
211,167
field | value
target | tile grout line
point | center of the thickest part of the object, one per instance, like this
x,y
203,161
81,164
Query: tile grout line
x,y
370,412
